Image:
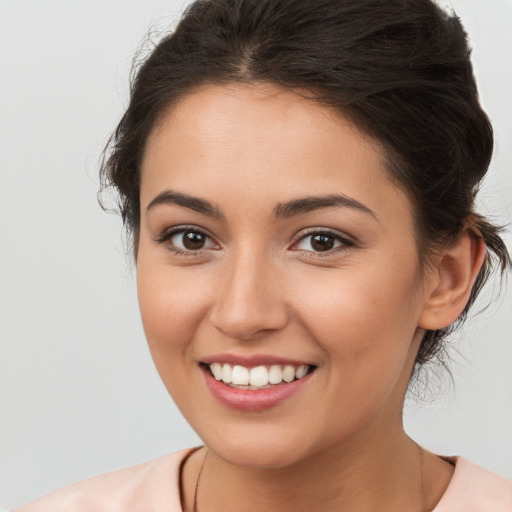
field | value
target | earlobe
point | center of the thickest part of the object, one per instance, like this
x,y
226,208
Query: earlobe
x,y
451,281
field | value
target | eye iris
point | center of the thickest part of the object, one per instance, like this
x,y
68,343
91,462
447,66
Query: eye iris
x,y
322,242
193,240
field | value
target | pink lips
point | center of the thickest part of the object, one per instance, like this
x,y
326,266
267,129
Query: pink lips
x,y
252,400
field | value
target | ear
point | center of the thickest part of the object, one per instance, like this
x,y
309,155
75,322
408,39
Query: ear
x,y
450,283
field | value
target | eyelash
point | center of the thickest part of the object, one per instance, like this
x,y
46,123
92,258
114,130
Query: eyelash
x,y
168,235
345,242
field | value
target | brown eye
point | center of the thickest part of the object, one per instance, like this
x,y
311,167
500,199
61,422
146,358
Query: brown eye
x,y
322,242
193,241
187,240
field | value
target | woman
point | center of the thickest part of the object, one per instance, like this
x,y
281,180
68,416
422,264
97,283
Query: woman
x,y
299,179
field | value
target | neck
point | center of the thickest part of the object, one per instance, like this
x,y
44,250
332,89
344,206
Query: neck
x,y
359,476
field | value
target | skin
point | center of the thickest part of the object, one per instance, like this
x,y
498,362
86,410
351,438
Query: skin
x,y
357,312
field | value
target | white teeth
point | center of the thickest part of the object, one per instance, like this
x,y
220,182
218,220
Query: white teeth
x,y
257,377
288,373
216,369
300,371
275,375
240,375
227,372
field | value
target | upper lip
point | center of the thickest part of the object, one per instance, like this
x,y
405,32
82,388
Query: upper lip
x,y
253,360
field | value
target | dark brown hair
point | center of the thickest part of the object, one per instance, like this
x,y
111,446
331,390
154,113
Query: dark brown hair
x,y
399,69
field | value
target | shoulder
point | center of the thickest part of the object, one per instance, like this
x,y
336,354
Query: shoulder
x,y
475,489
149,487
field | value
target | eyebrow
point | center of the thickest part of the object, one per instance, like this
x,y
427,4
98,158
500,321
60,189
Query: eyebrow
x,y
282,210
191,202
310,203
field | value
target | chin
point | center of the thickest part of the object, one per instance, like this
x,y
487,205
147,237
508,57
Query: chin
x,y
256,455
258,448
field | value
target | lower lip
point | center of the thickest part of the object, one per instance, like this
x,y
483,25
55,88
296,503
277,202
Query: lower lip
x,y
256,399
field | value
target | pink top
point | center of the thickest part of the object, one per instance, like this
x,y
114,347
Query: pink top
x,y
154,487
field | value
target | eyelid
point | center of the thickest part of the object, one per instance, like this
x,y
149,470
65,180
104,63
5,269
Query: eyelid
x,y
170,232
346,240
174,230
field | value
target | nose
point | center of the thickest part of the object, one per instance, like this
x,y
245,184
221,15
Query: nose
x,y
250,302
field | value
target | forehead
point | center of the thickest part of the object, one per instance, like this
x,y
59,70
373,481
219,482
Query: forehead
x,y
262,141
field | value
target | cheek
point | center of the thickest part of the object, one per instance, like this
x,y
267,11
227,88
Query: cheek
x,y
171,307
365,327
363,317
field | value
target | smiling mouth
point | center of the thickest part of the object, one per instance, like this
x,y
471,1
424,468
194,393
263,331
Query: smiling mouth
x,y
258,377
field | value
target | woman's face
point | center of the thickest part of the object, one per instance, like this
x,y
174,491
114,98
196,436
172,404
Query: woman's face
x,y
271,237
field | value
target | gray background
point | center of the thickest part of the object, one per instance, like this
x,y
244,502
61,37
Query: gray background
x,y
78,391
